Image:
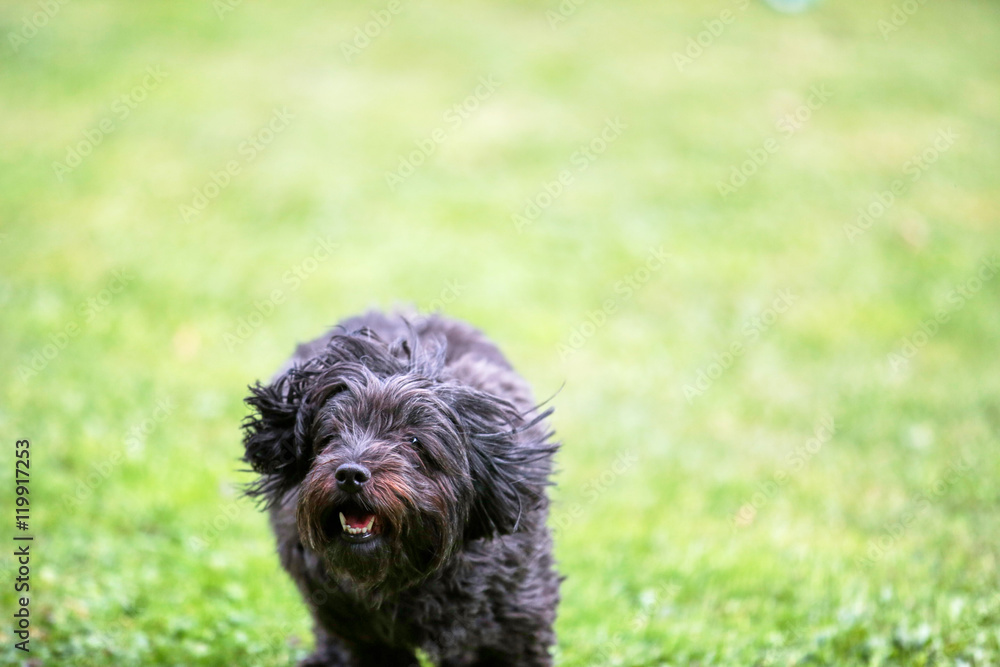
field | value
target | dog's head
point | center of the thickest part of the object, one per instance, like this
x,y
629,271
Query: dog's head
x,y
395,466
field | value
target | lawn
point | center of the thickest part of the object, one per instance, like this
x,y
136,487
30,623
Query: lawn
x,y
754,254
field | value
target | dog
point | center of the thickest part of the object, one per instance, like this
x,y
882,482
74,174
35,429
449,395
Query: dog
x,y
405,466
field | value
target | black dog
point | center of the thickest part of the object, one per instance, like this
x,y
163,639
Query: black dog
x,y
405,467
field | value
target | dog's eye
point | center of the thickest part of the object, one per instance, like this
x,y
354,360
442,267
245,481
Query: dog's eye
x,y
415,441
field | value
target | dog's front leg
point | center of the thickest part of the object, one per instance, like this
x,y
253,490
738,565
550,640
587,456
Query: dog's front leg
x,y
330,651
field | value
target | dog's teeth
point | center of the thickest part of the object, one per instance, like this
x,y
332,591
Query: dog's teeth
x,y
360,530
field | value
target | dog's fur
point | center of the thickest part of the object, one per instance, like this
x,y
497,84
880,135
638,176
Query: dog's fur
x,y
460,563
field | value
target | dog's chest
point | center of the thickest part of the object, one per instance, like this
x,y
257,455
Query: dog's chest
x,y
430,616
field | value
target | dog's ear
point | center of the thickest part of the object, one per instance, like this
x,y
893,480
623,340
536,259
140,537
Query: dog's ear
x,y
510,459
275,437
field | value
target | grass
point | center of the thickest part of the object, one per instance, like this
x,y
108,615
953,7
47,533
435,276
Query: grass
x,y
738,485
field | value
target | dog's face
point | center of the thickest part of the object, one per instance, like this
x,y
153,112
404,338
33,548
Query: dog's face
x,y
390,487
395,466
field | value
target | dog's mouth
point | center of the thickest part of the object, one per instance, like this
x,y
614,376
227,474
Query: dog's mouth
x,y
352,523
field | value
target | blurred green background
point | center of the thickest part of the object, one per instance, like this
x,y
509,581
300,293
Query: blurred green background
x,y
758,249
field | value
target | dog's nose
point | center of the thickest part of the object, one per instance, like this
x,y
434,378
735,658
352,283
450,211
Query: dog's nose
x,y
352,476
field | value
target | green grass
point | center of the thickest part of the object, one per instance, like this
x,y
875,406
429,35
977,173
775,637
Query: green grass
x,y
714,525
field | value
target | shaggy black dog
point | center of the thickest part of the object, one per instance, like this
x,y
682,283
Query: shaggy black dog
x,y
405,468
